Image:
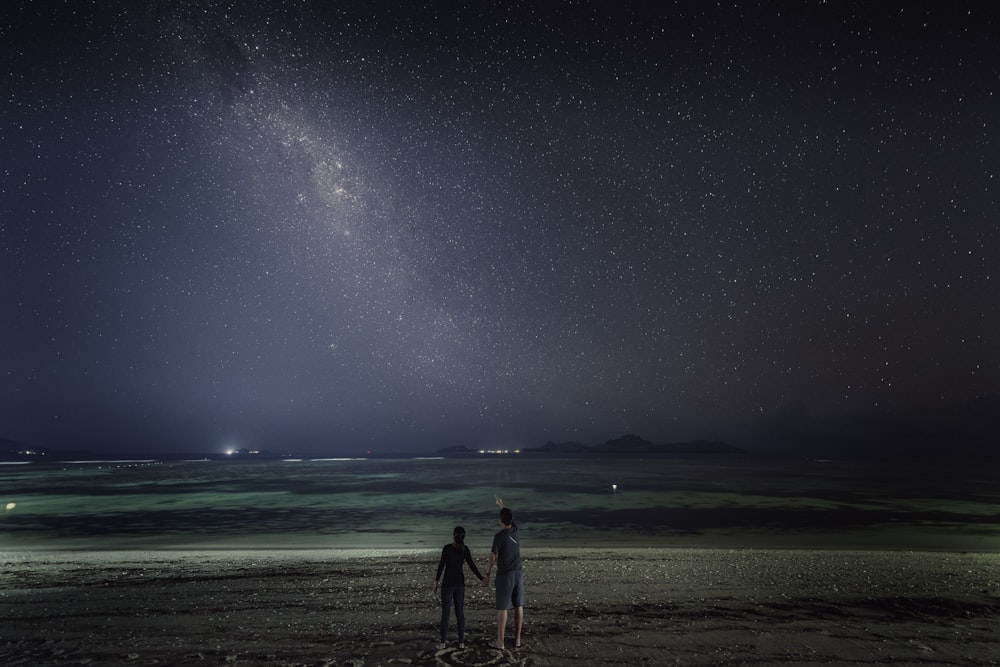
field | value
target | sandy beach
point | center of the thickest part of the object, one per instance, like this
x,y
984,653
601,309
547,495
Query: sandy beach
x,y
600,606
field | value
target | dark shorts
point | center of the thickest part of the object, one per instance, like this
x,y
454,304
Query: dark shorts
x,y
510,590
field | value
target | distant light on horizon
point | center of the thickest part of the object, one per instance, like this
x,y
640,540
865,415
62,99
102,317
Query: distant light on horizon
x,y
240,451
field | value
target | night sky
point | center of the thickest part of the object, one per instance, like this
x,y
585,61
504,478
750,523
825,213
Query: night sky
x,y
335,227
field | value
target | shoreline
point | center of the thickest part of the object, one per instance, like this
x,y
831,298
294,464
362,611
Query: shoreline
x,y
637,605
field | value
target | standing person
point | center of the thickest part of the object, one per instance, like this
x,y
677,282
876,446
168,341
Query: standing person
x,y
453,587
506,554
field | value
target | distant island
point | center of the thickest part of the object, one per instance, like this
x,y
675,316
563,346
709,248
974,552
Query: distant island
x,y
627,446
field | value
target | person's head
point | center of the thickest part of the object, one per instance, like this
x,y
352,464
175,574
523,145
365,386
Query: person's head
x,y
459,535
506,517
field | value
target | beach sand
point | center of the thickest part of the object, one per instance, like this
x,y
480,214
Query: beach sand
x,y
585,606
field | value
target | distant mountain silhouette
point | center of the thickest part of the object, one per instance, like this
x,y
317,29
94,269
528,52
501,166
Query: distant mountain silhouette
x,y
457,451
627,443
561,448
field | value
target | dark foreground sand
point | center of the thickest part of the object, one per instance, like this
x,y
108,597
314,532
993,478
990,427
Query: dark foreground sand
x,y
585,606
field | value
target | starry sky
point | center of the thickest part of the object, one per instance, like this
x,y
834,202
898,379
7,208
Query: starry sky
x,y
339,227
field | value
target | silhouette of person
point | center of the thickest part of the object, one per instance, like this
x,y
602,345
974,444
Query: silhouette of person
x,y
452,587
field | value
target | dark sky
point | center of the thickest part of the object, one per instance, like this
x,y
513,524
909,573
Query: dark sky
x,y
349,226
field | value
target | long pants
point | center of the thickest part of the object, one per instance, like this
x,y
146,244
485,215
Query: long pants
x,y
453,595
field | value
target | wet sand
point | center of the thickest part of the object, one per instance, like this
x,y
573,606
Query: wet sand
x,y
639,606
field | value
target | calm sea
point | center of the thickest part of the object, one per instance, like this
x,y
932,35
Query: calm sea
x,y
729,503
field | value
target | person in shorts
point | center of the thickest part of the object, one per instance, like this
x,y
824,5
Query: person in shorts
x,y
506,555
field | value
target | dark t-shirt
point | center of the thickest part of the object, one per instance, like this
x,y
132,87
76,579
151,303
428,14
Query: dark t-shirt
x,y
451,563
507,547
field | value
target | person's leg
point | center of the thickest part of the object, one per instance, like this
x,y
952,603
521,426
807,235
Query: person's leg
x,y
501,626
446,597
460,613
505,586
518,621
517,602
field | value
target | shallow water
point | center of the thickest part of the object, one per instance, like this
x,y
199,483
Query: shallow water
x,y
733,503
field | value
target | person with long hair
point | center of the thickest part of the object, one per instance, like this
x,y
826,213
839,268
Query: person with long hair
x,y
452,587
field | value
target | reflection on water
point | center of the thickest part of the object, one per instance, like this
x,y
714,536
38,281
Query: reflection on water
x,y
415,503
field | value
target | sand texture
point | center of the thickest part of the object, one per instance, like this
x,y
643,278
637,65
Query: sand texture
x,y
585,606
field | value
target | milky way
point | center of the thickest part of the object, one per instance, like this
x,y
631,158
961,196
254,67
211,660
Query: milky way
x,y
349,228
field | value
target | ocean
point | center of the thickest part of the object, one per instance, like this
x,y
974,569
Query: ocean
x,y
739,502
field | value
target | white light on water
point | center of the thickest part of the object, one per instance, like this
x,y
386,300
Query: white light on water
x,y
118,461
11,506
340,459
